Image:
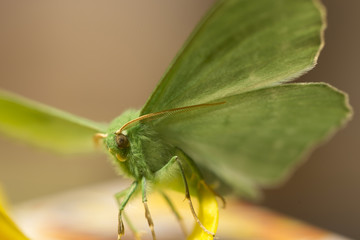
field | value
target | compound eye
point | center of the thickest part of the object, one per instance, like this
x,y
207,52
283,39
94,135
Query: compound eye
x,y
121,141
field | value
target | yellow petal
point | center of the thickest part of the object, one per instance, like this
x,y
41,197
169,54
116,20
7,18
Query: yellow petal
x,y
8,229
208,213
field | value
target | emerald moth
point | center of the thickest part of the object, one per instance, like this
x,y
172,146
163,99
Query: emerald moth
x,y
220,116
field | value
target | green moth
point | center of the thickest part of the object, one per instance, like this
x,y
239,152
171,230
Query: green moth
x,y
219,115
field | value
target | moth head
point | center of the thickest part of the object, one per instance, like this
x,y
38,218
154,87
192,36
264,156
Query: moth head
x,y
118,144
118,139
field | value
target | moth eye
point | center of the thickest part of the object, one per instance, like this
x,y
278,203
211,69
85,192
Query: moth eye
x,y
121,141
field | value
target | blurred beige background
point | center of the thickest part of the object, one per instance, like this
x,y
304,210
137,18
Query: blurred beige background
x,y
97,58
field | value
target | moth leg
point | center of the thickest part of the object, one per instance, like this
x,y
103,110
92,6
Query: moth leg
x,y
127,193
202,181
196,170
136,233
147,211
187,196
176,213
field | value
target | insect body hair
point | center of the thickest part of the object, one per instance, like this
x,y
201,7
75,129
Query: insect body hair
x,y
149,153
146,153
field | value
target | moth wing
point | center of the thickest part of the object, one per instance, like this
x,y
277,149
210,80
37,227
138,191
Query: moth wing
x,y
242,45
44,126
257,138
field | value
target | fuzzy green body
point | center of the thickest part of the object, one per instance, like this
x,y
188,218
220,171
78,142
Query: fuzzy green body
x,y
147,152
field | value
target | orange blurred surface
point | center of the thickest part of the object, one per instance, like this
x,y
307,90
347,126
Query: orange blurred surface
x,y
91,213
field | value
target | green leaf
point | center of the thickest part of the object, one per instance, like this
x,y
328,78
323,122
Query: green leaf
x,y
44,126
257,138
240,46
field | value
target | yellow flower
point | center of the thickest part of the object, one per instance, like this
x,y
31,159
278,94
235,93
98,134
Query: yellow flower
x,y
208,213
8,229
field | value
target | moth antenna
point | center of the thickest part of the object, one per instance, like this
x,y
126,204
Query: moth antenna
x,y
150,116
97,137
